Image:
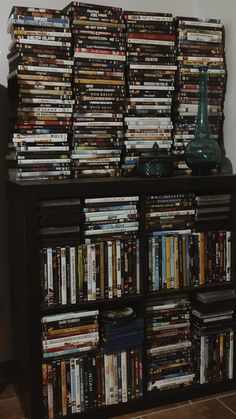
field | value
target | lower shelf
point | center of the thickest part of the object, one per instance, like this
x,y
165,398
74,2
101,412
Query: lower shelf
x,y
156,399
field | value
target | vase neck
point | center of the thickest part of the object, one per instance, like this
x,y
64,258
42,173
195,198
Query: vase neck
x,y
202,123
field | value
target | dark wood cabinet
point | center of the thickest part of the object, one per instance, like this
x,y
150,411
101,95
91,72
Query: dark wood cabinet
x,y
23,201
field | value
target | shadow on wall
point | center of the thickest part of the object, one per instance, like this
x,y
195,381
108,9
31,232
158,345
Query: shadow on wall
x,y
5,318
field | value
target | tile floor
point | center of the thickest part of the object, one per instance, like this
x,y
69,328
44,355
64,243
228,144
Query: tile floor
x,y
220,406
9,404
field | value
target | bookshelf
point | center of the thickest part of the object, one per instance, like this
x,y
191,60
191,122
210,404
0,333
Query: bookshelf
x,y
24,262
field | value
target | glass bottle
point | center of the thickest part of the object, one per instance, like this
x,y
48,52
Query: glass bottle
x,y
202,154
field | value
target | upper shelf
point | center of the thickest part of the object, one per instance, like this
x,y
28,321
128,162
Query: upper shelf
x,y
126,185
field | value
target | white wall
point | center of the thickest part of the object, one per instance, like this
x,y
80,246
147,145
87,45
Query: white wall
x,y
224,10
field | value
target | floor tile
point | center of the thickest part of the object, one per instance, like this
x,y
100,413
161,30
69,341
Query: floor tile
x,y
7,392
10,409
213,396
229,401
149,411
128,416
211,409
207,407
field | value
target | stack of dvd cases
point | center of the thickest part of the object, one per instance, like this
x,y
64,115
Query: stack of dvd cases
x,y
150,74
99,54
110,216
200,43
169,212
213,335
169,347
111,233
64,334
39,83
121,329
213,207
59,234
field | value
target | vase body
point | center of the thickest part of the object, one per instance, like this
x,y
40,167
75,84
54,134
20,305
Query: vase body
x,y
202,153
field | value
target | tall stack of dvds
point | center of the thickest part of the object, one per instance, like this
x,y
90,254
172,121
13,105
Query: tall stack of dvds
x,y
150,74
200,43
213,335
169,347
99,56
39,84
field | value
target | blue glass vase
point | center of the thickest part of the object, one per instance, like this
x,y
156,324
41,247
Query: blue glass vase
x,y
202,153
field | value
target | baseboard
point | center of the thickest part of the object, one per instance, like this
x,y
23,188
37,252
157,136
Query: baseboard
x,y
7,372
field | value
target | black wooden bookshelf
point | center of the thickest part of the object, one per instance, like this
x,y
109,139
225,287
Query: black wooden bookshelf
x,y
24,245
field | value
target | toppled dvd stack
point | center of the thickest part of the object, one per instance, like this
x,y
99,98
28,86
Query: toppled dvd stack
x,y
99,56
169,347
39,85
150,74
200,43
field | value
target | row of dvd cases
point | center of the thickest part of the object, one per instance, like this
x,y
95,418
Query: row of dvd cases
x,y
186,344
93,87
94,250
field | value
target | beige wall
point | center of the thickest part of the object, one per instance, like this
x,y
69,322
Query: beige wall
x,y
201,8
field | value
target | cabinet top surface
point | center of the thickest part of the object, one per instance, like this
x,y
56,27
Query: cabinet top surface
x,y
123,185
